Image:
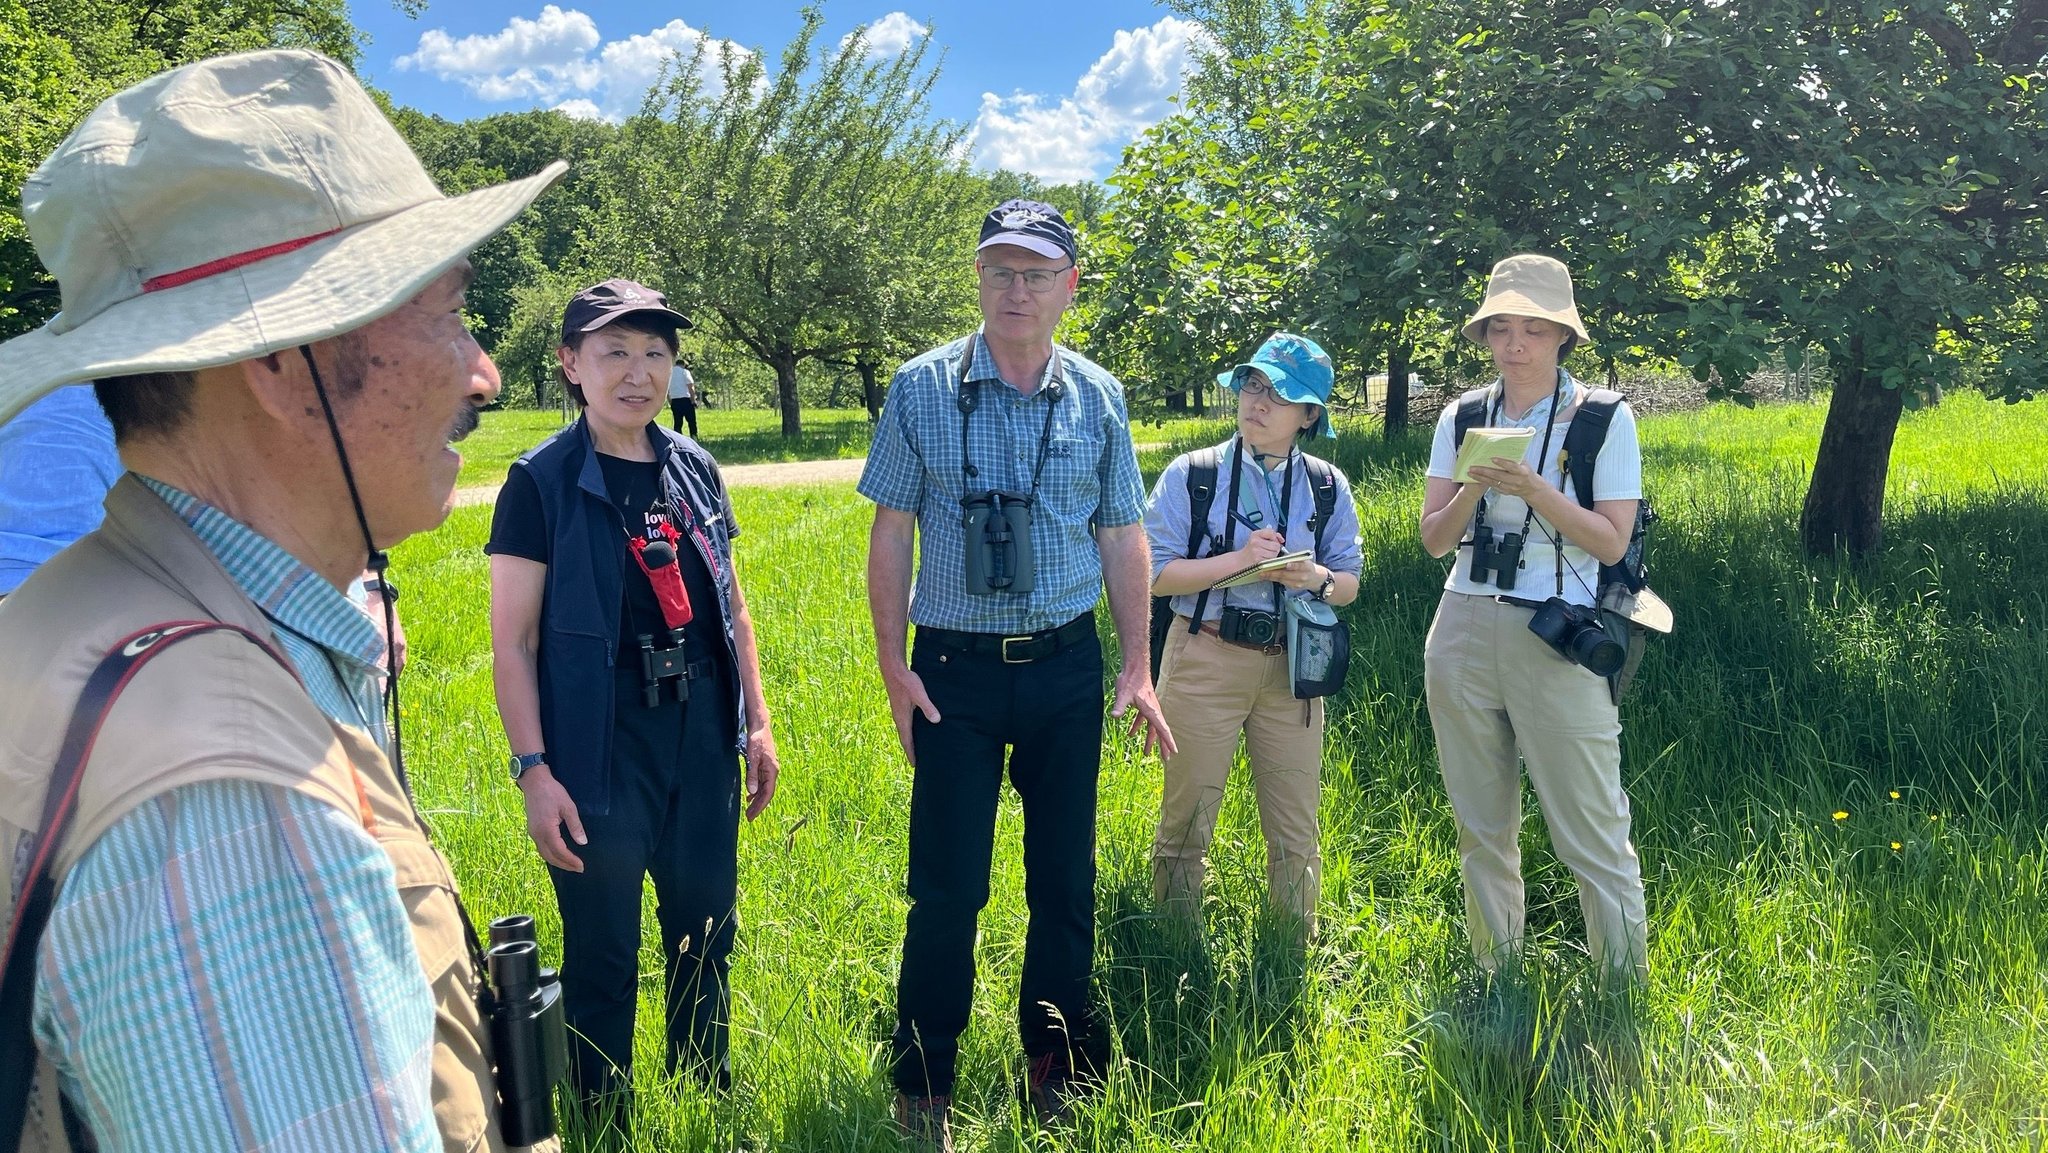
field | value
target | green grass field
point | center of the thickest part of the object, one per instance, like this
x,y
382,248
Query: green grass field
x,y
734,436
1840,785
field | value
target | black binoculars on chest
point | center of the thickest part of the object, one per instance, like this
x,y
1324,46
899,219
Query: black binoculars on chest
x,y
997,530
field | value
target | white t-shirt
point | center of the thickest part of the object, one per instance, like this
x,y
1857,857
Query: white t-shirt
x,y
1617,475
681,384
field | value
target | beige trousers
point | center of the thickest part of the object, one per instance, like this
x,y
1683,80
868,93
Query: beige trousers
x,y
1212,692
1495,688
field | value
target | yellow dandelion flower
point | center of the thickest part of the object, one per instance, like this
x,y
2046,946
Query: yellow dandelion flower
x,y
1896,846
1895,794
1934,816
1841,814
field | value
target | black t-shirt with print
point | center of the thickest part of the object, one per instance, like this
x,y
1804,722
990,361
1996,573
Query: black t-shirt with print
x,y
518,528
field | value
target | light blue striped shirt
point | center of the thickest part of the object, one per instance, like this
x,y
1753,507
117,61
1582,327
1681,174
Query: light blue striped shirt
x,y
1169,519
230,965
1090,480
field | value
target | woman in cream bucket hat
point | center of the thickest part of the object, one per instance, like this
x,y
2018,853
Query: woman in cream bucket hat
x,y
1498,693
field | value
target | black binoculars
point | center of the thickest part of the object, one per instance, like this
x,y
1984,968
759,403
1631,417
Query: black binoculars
x,y
1579,636
1500,560
1249,626
997,529
529,1041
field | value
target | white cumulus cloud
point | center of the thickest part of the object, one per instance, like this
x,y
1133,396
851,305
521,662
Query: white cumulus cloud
x,y
1074,137
560,58
892,35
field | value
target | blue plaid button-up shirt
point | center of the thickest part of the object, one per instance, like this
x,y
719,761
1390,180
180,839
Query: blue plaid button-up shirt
x,y
1090,479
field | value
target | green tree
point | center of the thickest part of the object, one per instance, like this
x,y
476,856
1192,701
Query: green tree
x,y
1726,181
59,58
791,209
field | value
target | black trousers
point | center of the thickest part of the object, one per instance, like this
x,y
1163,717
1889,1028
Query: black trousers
x,y
1049,715
674,816
683,409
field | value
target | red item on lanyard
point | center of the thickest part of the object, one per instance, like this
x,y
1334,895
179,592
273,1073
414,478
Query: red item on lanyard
x,y
663,572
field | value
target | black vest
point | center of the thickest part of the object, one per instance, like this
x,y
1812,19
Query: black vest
x,y
585,594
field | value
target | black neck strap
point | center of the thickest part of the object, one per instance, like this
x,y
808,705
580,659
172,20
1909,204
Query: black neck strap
x,y
969,398
378,562
1494,413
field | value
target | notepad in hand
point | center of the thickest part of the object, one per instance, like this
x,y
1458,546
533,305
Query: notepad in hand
x,y
1482,445
1250,573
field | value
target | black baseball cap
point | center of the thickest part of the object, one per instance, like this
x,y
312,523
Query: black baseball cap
x,y
600,304
1030,224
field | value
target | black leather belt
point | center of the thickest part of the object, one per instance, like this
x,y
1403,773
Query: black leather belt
x,y
1014,650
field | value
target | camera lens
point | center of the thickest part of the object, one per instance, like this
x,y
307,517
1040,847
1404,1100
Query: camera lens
x,y
1597,651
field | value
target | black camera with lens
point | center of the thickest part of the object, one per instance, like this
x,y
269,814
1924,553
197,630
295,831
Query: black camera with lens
x,y
1249,626
1500,560
1579,636
997,528
529,1039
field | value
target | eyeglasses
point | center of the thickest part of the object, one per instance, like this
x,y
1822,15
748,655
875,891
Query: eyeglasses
x,y
1035,279
1255,386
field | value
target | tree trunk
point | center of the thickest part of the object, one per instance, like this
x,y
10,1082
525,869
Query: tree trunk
x,y
785,397
1845,501
870,390
1177,401
1397,390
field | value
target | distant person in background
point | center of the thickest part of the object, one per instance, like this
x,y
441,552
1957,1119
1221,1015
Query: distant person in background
x,y
57,462
1498,693
630,688
682,398
1217,683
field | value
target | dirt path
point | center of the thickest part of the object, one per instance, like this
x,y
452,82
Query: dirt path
x,y
736,476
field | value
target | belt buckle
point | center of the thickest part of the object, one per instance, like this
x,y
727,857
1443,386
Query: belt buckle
x,y
1008,659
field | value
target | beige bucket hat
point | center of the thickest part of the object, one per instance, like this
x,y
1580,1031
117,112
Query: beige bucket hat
x,y
1528,285
228,209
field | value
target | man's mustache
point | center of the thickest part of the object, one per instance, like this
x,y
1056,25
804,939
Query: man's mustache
x,y
466,422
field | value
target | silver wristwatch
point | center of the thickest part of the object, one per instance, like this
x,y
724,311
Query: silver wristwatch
x,y
524,761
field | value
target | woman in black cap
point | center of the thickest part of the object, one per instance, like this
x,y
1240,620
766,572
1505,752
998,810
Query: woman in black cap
x,y
630,689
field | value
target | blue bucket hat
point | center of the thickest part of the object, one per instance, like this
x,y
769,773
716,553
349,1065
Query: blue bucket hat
x,y
1299,371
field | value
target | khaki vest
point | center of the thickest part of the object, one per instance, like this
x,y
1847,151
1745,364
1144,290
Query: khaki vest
x,y
213,707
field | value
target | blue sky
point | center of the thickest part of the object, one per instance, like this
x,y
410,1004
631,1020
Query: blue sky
x,y
1055,88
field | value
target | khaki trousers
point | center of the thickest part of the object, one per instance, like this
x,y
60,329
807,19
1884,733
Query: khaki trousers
x,y
1212,692
1495,688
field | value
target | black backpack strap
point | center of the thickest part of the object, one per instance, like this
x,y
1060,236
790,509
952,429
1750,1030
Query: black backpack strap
x,y
1471,414
1583,439
1202,470
38,886
1322,477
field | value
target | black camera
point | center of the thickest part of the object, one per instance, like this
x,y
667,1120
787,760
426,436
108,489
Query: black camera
x,y
529,1041
1249,626
997,528
1578,635
1501,560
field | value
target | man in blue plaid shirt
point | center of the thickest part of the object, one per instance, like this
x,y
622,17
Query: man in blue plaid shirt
x,y
1006,652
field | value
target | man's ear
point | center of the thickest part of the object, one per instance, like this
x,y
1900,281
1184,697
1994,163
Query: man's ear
x,y
567,359
280,385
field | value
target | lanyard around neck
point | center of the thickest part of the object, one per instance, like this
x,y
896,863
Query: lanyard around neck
x,y
969,399
1230,510
1499,409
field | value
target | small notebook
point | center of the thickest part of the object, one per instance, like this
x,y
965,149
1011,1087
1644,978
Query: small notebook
x,y
1481,445
1250,573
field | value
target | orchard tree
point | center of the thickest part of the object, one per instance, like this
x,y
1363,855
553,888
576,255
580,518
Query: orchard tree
x,y
787,208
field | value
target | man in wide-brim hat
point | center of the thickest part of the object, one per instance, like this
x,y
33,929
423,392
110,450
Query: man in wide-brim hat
x,y
250,942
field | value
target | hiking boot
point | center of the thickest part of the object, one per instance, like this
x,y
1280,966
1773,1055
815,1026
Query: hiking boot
x,y
926,1122
1052,1088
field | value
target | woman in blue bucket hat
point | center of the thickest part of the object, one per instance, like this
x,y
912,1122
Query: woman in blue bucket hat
x,y
1225,672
